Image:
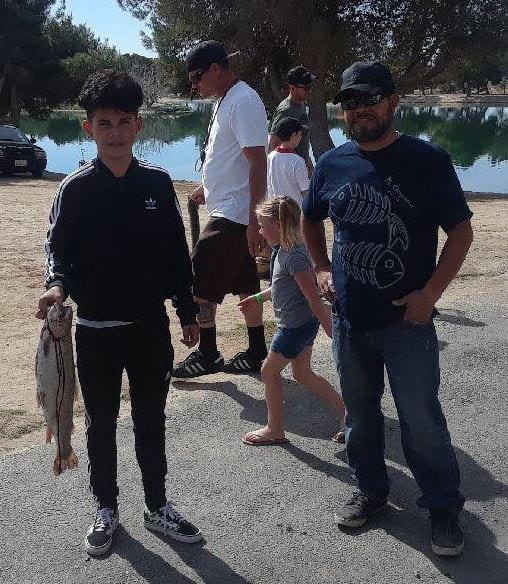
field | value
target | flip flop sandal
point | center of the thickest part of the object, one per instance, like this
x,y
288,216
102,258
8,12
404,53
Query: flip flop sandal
x,y
253,439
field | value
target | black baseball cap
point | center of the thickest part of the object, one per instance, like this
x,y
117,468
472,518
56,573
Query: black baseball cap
x,y
204,54
300,76
369,77
286,127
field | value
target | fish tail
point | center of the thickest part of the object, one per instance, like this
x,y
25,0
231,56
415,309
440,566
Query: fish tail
x,y
398,232
62,464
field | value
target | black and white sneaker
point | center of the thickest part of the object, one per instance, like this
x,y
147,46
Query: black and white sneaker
x,y
197,364
357,510
168,521
447,538
100,535
243,362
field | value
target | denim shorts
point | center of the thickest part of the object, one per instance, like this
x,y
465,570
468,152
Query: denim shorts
x,y
290,342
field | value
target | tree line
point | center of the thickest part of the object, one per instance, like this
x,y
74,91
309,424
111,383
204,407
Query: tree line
x,y
458,44
45,59
419,39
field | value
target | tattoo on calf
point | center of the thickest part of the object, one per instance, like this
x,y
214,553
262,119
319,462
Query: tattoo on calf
x,y
206,313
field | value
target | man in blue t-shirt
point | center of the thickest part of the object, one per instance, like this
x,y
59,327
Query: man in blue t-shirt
x,y
387,195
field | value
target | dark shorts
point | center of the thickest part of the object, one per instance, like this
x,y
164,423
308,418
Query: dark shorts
x,y
290,342
222,262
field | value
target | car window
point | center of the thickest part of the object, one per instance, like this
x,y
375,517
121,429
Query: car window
x,y
8,133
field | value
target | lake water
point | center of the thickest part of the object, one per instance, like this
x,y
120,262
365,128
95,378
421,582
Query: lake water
x,y
475,137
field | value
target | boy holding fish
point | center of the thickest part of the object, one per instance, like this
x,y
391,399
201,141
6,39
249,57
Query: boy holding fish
x,y
116,244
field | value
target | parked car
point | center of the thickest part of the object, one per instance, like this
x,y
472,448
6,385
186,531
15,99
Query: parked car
x,y
19,153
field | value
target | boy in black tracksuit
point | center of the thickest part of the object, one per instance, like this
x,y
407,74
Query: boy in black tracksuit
x,y
116,244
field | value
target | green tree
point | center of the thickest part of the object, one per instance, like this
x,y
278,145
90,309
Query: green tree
x,y
44,60
78,67
24,55
417,38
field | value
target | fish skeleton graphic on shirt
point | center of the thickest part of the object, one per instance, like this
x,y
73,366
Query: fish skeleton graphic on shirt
x,y
367,205
370,263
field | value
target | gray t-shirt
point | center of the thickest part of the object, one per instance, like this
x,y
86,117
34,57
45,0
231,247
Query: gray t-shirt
x,y
292,109
289,304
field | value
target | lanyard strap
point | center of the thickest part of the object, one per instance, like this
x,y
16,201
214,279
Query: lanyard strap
x,y
209,131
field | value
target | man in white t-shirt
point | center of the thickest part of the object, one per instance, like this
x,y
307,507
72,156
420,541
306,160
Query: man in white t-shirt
x,y
287,172
233,183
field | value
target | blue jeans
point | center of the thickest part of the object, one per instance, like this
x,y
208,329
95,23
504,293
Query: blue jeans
x,y
410,354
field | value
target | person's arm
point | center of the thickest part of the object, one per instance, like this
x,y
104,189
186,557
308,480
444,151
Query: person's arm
x,y
256,157
181,273
309,166
307,284
301,177
315,241
420,303
260,298
58,253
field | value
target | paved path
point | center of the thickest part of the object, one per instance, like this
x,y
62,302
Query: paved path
x,y
267,513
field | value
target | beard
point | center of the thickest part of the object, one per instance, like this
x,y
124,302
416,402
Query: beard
x,y
361,133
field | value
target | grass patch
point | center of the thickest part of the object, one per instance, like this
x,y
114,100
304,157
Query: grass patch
x,y
8,412
239,330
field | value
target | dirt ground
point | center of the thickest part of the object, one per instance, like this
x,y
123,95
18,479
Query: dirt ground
x,y
24,208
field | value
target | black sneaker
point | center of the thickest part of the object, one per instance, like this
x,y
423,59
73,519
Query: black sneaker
x,y
100,535
357,510
197,364
168,521
243,362
447,538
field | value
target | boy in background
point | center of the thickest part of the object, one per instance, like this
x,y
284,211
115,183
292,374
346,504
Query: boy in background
x,y
116,244
287,172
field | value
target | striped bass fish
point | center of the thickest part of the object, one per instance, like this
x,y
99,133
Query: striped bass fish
x,y
56,383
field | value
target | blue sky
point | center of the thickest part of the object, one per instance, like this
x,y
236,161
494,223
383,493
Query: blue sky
x,y
108,21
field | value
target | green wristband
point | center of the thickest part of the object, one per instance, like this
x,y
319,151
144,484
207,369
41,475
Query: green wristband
x,y
259,297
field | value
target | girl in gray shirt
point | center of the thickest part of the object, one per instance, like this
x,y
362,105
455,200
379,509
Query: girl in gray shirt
x,y
299,311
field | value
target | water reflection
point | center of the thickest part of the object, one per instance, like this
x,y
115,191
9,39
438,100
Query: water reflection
x,y
466,133
475,137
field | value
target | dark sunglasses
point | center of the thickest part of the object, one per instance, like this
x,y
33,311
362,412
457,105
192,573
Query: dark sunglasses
x,y
351,104
195,76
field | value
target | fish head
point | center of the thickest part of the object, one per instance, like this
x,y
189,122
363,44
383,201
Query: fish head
x,y
389,269
59,320
339,202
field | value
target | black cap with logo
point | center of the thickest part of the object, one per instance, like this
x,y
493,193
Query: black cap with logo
x,y
204,54
286,127
300,76
369,77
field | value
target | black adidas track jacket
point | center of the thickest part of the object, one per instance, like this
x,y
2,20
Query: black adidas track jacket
x,y
117,245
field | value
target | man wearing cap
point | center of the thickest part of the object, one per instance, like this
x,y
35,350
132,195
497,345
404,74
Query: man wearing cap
x,y
234,182
387,195
300,81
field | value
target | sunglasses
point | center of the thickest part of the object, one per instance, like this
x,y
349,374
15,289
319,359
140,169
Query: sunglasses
x,y
195,76
351,104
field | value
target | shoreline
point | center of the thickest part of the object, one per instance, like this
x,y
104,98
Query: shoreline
x,y
470,195
430,100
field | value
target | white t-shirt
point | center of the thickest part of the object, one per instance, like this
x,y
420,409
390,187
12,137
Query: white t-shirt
x,y
240,123
287,175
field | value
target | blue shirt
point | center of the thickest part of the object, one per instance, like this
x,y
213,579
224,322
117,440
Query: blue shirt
x,y
386,207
